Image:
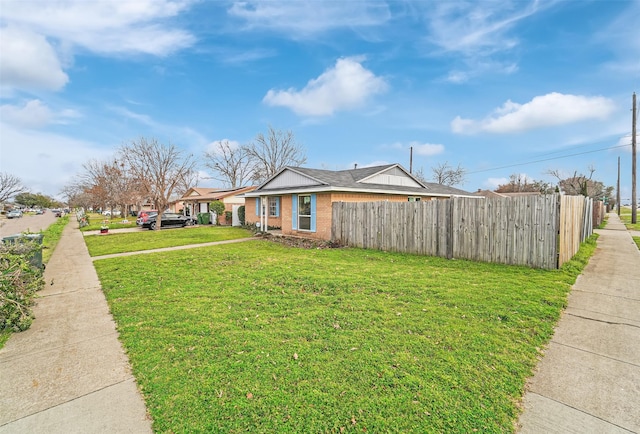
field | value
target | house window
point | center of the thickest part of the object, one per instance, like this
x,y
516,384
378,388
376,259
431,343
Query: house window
x,y
274,207
304,212
414,199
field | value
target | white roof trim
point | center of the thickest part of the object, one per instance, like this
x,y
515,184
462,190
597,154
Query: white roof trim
x,y
329,189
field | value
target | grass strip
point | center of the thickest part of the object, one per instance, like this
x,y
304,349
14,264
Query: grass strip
x,y
52,236
262,337
99,245
625,216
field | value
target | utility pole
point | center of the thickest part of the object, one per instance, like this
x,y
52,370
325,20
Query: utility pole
x,y
618,189
411,159
634,203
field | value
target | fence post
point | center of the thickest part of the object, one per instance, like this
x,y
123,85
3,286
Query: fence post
x,y
450,237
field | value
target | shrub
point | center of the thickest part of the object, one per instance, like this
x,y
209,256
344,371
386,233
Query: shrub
x,y
19,281
218,208
241,215
228,217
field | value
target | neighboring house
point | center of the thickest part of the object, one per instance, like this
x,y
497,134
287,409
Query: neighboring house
x,y
491,193
299,200
196,200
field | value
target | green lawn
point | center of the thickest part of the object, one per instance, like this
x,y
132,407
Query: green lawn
x,y
135,241
96,221
625,216
261,337
637,241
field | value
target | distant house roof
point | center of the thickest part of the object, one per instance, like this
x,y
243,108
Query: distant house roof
x,y
490,193
210,194
387,179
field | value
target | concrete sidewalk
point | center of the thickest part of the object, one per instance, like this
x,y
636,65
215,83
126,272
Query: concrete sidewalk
x,y
68,373
589,378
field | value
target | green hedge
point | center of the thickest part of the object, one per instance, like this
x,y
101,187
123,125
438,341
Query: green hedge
x,y
19,281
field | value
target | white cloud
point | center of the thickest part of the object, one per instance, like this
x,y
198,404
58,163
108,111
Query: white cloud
x,y
34,114
620,36
422,149
476,29
105,26
214,147
345,86
308,18
427,149
542,111
626,141
29,61
38,38
53,159
493,183
477,32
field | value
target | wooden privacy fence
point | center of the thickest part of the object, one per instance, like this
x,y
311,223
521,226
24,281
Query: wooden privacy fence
x,y
538,231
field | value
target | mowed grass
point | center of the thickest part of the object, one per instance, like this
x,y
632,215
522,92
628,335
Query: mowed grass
x,y
260,337
96,221
625,217
169,237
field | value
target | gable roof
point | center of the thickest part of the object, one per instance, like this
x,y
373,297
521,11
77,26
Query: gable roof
x,y
389,179
203,194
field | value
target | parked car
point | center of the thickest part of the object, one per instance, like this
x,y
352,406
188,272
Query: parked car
x,y
39,211
16,213
143,216
57,212
116,213
168,219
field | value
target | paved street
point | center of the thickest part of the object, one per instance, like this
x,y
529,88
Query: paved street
x,y
33,223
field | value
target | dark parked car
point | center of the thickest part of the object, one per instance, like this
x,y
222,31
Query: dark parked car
x,y
168,219
143,216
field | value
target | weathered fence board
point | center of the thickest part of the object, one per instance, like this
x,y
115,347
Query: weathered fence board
x,y
538,231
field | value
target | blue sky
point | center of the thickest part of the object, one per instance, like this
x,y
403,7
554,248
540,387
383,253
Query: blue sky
x,y
498,87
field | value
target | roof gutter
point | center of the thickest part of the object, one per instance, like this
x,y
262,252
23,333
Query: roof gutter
x,y
325,189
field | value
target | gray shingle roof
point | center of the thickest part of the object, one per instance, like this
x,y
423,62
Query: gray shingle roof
x,y
348,179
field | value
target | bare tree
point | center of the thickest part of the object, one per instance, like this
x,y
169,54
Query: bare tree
x,y
274,151
10,185
419,175
448,175
519,183
231,163
580,184
160,170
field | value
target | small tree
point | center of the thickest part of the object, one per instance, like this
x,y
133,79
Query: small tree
x,y
274,151
230,163
218,208
10,185
580,184
519,183
159,170
447,175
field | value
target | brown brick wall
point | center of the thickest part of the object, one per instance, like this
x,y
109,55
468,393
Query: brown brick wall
x,y
251,217
323,211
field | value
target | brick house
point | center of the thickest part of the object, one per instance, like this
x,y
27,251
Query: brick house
x,y
299,200
197,200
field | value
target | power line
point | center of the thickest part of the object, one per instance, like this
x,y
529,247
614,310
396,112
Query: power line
x,y
548,159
